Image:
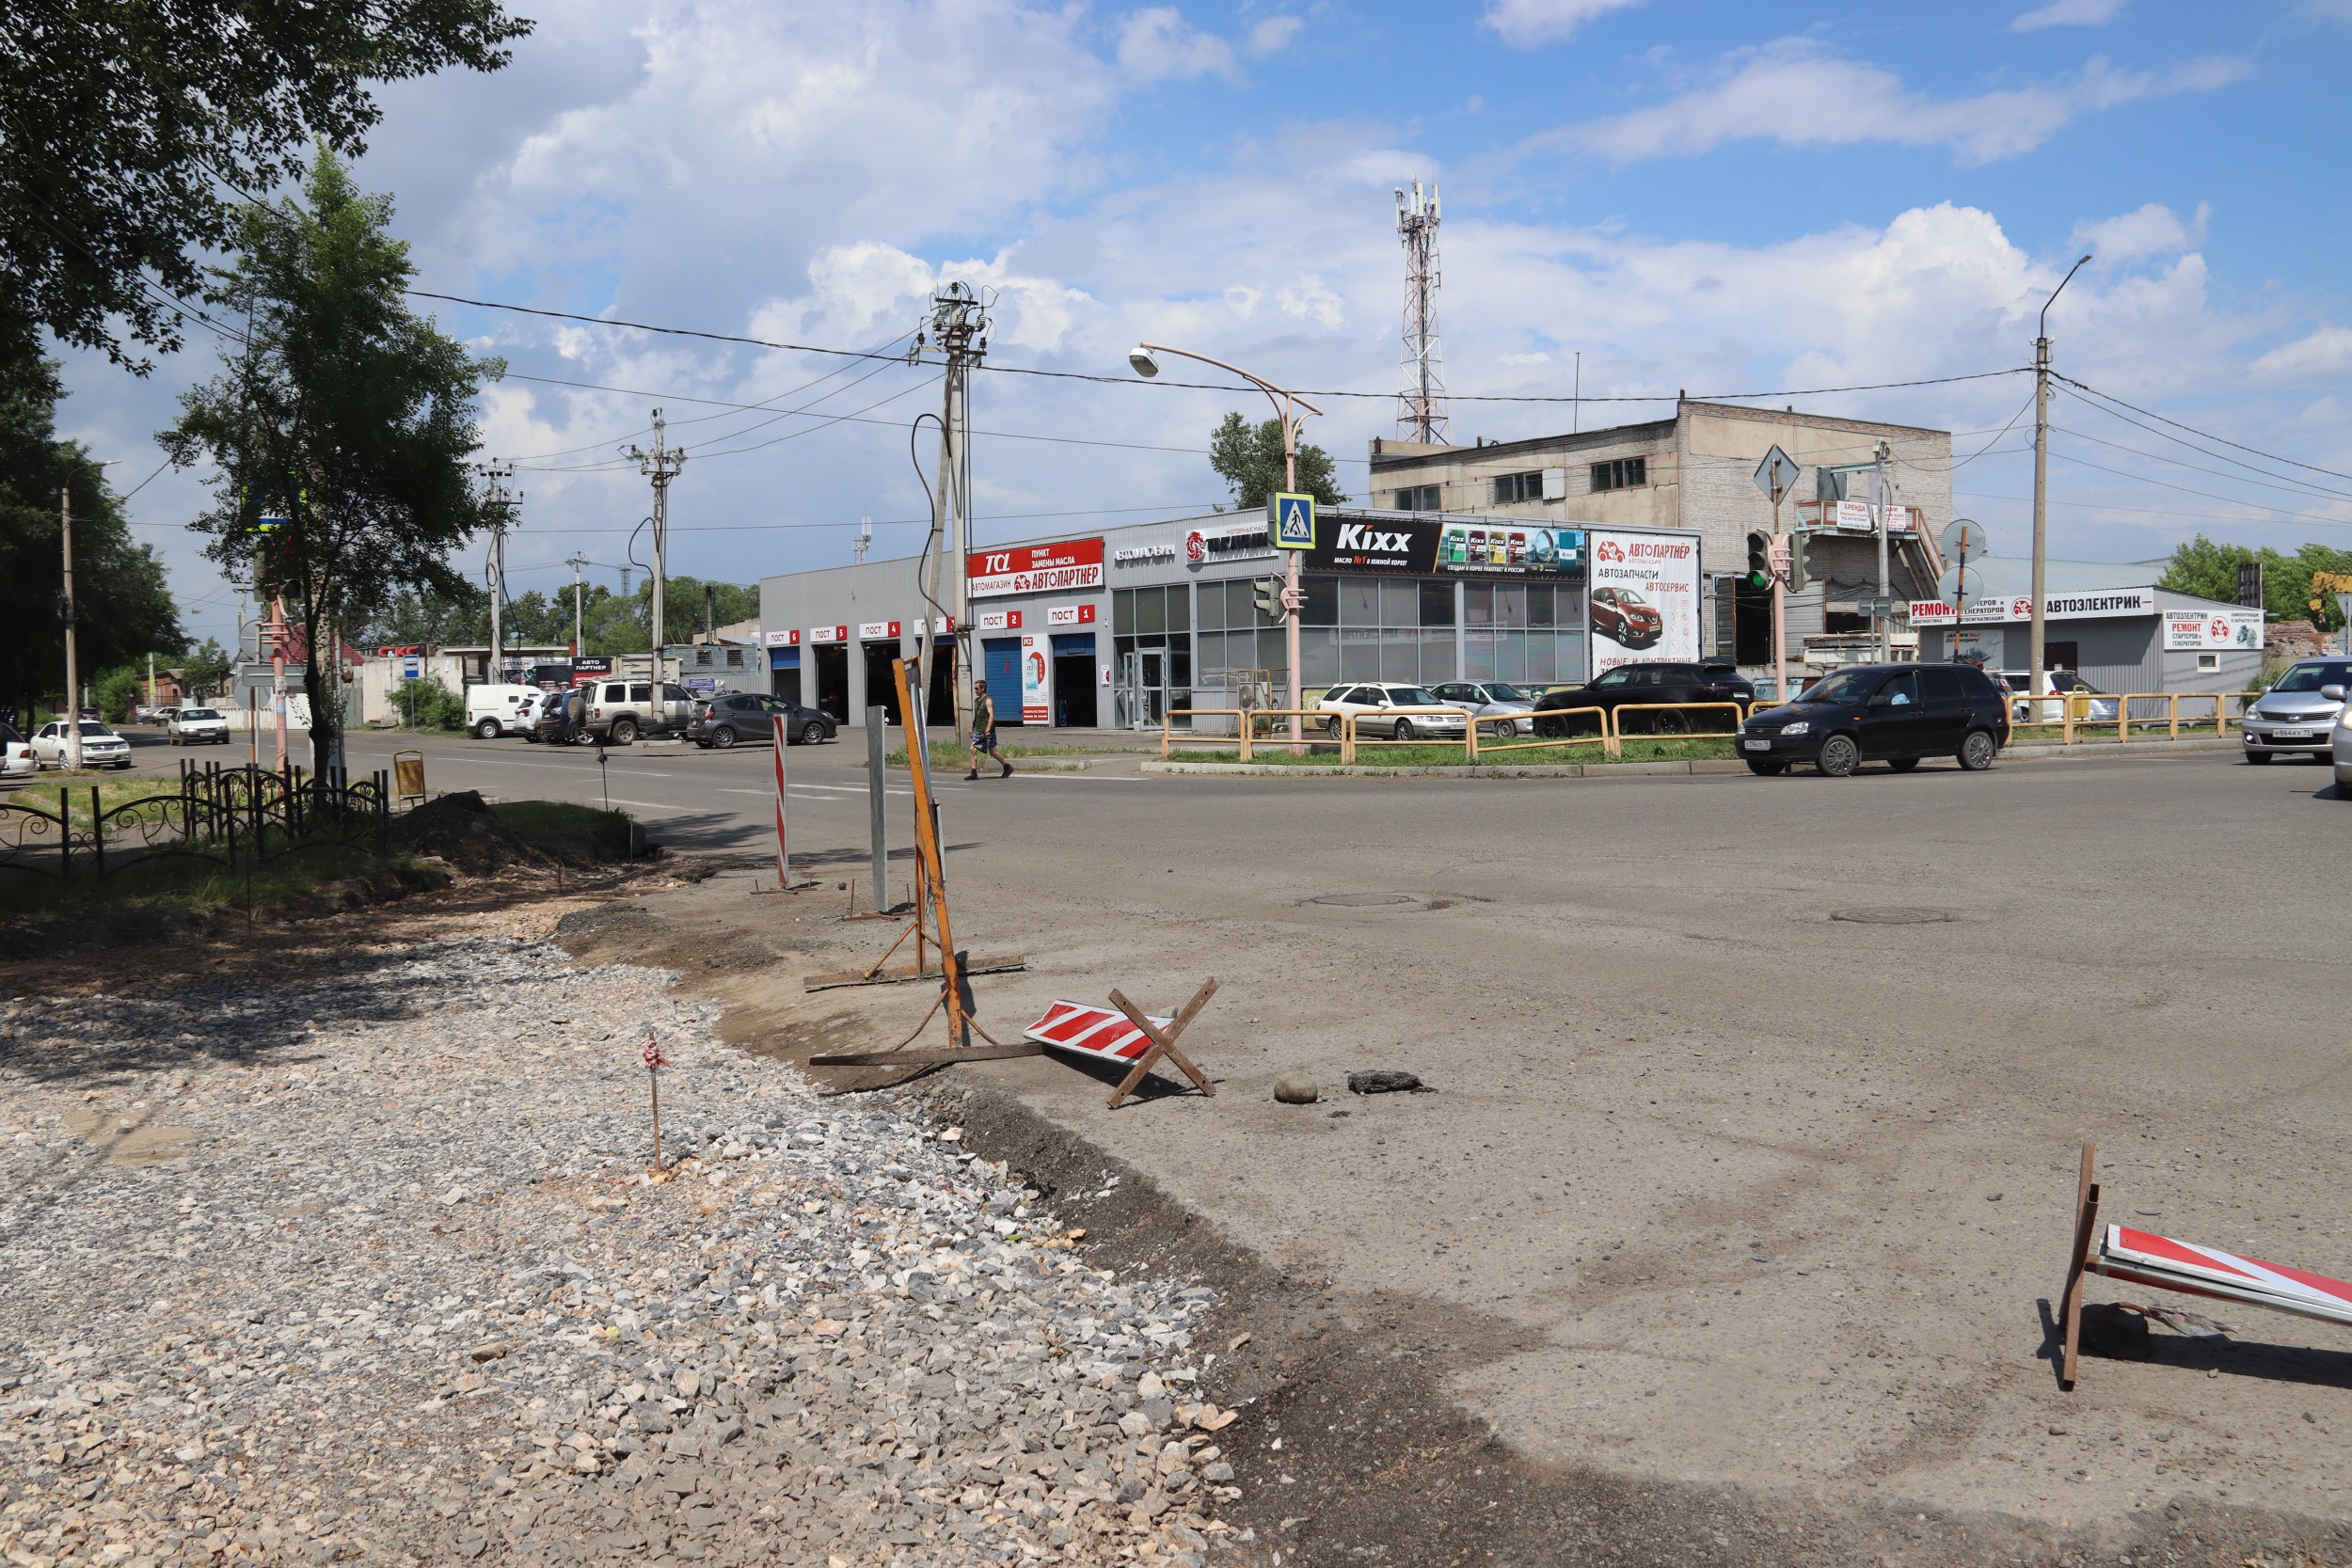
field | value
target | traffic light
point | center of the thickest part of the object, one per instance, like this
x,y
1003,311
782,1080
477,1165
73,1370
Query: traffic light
x,y
1269,597
1797,579
1759,561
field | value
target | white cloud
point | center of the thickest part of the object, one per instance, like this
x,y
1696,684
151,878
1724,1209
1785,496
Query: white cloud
x,y
1794,91
1274,35
1526,24
2155,229
1157,44
2069,13
2325,352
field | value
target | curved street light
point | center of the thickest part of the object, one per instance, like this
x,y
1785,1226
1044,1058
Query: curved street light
x,y
1144,358
2036,644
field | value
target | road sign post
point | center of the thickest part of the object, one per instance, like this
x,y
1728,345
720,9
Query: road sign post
x,y
1290,527
1777,476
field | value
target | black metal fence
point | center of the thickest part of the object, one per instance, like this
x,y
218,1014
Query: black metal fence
x,y
235,818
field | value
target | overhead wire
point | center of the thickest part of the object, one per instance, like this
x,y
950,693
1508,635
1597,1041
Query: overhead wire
x,y
2294,487
2275,457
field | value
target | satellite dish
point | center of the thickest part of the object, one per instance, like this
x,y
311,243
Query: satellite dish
x,y
1948,586
1963,536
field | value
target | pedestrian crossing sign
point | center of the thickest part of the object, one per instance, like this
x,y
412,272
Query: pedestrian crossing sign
x,y
1291,520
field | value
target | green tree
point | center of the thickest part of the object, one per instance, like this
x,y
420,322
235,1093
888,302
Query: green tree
x,y
459,618
126,127
342,414
615,624
1250,459
205,672
122,601
2209,570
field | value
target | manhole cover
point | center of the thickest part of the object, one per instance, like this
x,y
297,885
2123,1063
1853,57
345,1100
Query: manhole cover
x,y
1364,900
1895,917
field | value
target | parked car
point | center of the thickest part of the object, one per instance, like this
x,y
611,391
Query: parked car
x,y
547,718
2344,753
101,746
1626,618
735,717
161,717
1505,704
620,711
16,753
1645,684
1390,712
191,726
2298,715
1891,713
493,709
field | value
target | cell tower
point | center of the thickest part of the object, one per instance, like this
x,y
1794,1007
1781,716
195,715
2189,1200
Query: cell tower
x,y
1420,404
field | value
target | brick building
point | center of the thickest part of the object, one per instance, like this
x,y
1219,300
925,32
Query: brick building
x,y
1695,470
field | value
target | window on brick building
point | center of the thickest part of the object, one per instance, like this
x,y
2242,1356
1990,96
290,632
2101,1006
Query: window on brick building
x,y
1509,488
1418,497
1621,473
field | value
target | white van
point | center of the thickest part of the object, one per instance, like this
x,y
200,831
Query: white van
x,y
492,711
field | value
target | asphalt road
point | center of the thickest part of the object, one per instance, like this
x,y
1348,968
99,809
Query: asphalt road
x,y
1773,1196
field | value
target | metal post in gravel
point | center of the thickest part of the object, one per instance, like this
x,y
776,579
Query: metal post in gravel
x,y
655,1061
875,779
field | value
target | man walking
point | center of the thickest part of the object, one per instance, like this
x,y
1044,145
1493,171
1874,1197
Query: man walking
x,y
985,732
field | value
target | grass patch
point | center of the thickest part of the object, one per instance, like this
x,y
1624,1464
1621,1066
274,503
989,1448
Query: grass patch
x,y
1433,754
568,830
176,884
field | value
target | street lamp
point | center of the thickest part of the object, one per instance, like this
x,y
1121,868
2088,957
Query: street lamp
x,y
2042,475
1144,358
72,659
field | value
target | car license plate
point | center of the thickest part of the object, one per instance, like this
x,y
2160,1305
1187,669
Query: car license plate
x,y
1757,745
2290,735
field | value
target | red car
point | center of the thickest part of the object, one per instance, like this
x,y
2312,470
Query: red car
x,y
1626,618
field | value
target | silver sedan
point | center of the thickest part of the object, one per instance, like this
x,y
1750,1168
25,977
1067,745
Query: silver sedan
x,y
2298,715
2343,753
1501,708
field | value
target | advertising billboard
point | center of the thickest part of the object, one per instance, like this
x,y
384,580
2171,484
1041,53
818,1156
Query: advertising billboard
x,y
1036,568
1644,598
2212,630
1432,545
1035,682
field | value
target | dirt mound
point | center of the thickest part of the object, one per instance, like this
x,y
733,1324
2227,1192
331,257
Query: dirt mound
x,y
462,829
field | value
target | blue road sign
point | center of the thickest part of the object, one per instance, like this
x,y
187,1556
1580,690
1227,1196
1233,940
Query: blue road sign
x,y
1291,520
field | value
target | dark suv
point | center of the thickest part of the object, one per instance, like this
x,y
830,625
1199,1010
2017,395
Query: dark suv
x,y
1890,713
1648,684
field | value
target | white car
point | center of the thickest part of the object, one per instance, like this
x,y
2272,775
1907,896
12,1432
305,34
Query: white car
x,y
493,710
101,746
16,753
2343,753
1386,711
192,726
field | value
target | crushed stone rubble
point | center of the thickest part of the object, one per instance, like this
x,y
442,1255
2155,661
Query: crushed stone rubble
x,y
366,1263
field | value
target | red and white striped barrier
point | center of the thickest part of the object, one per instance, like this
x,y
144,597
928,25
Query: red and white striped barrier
x,y
2149,1259
784,853
1099,1032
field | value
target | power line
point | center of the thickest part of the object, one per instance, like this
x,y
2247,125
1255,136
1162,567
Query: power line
x,y
2154,510
1172,508
2292,462
2292,486
1204,386
2185,490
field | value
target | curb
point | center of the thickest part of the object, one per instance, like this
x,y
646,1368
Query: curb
x,y
2091,752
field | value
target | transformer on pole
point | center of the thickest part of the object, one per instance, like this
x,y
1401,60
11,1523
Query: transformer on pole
x,y
1421,414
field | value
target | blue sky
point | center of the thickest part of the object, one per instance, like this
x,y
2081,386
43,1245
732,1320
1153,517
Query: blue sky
x,y
1713,197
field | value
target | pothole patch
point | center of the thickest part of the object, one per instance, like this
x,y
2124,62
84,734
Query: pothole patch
x,y
1902,916
1369,900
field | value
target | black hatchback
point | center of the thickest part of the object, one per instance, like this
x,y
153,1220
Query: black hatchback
x,y
1891,713
1649,687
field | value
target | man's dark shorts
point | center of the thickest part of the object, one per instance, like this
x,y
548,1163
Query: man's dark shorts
x,y
984,741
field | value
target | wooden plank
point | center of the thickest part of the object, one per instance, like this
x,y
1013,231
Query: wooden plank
x,y
1163,1042
2086,1229
1003,963
928,1058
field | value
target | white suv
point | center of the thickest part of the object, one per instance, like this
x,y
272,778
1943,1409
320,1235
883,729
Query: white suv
x,y
1390,712
622,710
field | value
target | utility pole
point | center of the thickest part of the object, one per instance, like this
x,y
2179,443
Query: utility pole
x,y
72,655
1879,617
575,563
958,333
2042,478
501,515
662,465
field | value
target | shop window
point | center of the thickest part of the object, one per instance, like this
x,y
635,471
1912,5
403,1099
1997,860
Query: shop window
x,y
1437,602
1322,607
1400,602
1360,603
1418,497
1150,612
1512,488
2208,661
1621,473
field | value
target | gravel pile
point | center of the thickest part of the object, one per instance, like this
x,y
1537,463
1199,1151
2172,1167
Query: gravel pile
x,y
365,1264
